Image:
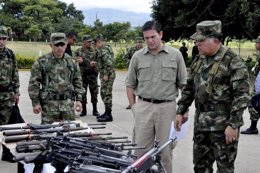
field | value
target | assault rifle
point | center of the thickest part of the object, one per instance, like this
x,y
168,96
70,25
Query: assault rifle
x,y
148,160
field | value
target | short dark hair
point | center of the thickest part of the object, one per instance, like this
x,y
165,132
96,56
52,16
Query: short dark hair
x,y
152,25
71,34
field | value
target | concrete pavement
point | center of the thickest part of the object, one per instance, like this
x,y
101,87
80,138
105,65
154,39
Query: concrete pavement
x,y
248,159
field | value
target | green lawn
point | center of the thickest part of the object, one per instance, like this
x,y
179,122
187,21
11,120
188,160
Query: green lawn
x,y
32,49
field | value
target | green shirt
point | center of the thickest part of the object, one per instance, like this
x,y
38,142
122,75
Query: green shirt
x,y
157,76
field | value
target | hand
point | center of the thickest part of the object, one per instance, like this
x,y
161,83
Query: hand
x,y
16,99
231,135
78,106
105,77
178,122
93,63
37,109
79,59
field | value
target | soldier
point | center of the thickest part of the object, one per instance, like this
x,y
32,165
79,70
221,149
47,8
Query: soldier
x,y
71,39
184,50
130,52
55,83
105,58
86,57
155,74
9,78
254,117
218,81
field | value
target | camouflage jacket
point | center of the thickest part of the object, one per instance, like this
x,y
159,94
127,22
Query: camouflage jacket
x,y
55,76
9,76
88,55
129,53
257,65
220,97
105,59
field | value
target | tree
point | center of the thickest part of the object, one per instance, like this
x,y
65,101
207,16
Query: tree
x,y
240,18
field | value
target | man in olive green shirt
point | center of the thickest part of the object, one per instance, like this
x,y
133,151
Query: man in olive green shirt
x,y
155,74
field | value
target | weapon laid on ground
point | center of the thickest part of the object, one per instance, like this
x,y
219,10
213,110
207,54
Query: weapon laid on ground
x,y
148,160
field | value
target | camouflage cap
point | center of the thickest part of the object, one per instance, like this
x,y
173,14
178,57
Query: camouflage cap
x,y
207,29
87,38
99,37
139,40
58,38
258,39
3,31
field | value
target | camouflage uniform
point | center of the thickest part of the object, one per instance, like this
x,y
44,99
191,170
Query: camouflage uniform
x,y
105,59
89,74
129,54
55,83
219,85
9,84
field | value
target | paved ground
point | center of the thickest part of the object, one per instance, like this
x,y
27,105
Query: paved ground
x,y
248,160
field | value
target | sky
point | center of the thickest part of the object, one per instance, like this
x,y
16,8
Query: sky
x,y
139,6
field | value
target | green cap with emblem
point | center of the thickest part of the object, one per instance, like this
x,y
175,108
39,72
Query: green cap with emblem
x,y
207,29
58,38
87,38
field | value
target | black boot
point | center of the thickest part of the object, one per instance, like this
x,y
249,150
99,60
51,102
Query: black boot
x,y
84,110
252,130
95,111
106,117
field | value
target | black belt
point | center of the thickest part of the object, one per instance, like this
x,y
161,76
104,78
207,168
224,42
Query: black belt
x,y
5,89
60,97
154,100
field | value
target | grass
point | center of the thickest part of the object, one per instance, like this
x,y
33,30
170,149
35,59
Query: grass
x,y
33,49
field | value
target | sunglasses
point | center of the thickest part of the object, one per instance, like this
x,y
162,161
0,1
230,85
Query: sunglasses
x,y
59,44
3,38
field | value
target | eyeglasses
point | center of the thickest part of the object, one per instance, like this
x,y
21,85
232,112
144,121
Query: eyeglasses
x,y
59,44
3,38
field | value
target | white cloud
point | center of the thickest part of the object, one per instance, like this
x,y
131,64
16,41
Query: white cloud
x,y
126,5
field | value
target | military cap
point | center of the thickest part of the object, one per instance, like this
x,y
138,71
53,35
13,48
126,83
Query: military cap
x,y
99,37
139,40
258,39
3,31
58,38
207,29
87,37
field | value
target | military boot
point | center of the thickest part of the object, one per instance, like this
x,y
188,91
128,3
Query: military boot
x,y
252,130
95,111
106,117
84,110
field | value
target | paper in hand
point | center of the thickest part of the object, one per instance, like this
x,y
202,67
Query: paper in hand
x,y
181,134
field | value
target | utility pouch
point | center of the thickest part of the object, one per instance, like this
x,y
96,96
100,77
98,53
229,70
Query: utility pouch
x,y
44,97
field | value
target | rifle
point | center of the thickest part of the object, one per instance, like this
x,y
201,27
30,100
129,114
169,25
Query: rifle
x,y
149,159
37,126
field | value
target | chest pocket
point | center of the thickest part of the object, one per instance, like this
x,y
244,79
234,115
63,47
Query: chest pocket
x,y
6,67
144,72
169,70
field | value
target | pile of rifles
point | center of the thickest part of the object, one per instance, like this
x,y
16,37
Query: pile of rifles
x,y
69,147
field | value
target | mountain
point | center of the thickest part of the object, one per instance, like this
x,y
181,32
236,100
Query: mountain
x,y
109,15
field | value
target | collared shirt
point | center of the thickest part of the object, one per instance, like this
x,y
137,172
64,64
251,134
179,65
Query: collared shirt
x,y
157,76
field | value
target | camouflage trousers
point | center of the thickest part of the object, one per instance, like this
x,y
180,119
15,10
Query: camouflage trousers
x,y
57,111
5,111
106,90
90,80
253,113
209,147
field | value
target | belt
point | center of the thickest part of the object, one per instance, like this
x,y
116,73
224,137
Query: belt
x,y
5,89
60,97
155,101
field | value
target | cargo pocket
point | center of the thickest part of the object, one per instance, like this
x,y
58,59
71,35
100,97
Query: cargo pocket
x,y
144,72
169,70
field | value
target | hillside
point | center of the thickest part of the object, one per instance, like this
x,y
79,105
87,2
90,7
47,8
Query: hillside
x,y
108,15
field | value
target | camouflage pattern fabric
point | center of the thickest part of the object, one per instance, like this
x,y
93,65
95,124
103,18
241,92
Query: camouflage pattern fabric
x,y
253,113
215,111
203,157
89,74
9,84
129,53
105,58
54,84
